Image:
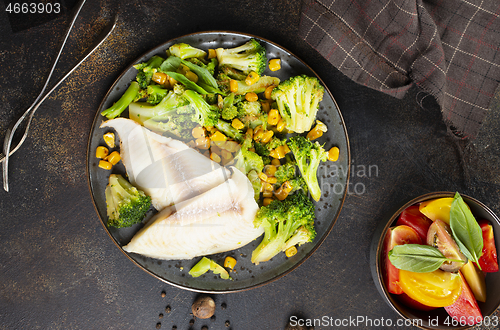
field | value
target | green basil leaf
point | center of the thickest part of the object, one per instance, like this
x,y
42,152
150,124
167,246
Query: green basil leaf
x,y
203,74
417,258
186,82
170,64
466,231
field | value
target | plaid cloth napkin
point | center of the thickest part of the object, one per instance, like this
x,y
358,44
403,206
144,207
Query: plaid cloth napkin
x,y
449,48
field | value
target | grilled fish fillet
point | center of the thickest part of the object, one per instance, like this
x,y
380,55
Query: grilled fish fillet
x,y
219,220
164,168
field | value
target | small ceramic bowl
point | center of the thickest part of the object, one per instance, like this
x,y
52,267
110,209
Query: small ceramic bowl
x,y
438,318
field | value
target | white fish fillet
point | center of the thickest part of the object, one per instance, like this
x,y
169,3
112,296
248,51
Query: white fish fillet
x,y
218,220
165,169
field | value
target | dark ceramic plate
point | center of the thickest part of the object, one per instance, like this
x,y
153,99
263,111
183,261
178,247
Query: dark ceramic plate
x,y
333,179
438,318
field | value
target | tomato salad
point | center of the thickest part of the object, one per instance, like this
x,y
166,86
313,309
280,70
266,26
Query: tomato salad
x,y
437,255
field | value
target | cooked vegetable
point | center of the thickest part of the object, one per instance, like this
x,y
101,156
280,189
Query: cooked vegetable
x,y
239,87
308,156
248,57
184,51
298,101
126,205
145,70
117,108
281,221
206,264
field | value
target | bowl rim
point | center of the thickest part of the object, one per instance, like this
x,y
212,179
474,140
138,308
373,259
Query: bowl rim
x,y
377,247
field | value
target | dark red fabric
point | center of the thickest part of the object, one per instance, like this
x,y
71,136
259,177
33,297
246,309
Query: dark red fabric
x,y
449,48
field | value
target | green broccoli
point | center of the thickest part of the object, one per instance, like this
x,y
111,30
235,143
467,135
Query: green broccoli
x,y
172,116
256,182
185,51
155,93
247,160
229,110
281,221
308,156
229,130
260,86
126,205
232,73
264,149
298,101
248,57
123,102
206,114
249,108
286,172
303,235
147,69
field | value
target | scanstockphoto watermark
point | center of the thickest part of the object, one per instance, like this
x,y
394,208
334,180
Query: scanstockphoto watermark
x,y
353,321
330,175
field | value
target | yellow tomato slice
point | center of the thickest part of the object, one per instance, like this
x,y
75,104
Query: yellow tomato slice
x,y
435,289
437,209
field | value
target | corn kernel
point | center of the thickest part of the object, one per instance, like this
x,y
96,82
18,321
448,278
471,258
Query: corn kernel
x,y
252,78
229,262
278,153
236,123
233,86
218,136
257,130
226,155
211,53
267,201
267,193
286,149
183,69
109,139
257,137
172,81
333,154
267,136
268,92
215,157
265,106
198,132
286,186
274,117
159,78
192,76
230,146
203,143
275,162
249,133
101,152
267,186
191,144
114,157
262,176
270,170
314,134
291,251
275,64
105,164
281,125
251,97
280,194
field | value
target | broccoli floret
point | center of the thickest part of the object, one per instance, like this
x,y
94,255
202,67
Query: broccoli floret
x,y
281,220
229,110
156,93
261,149
303,235
298,184
248,57
286,172
249,108
232,72
264,149
126,205
184,51
147,69
298,100
172,116
119,106
256,182
206,114
260,86
247,160
308,156
229,130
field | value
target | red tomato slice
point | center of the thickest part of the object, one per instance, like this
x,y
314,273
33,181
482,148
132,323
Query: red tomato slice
x,y
488,261
412,303
413,218
465,310
398,235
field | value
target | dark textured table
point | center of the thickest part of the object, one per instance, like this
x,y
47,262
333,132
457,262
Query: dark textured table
x,y
60,270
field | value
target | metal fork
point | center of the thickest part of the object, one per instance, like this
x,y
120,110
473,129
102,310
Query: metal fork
x,y
29,113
